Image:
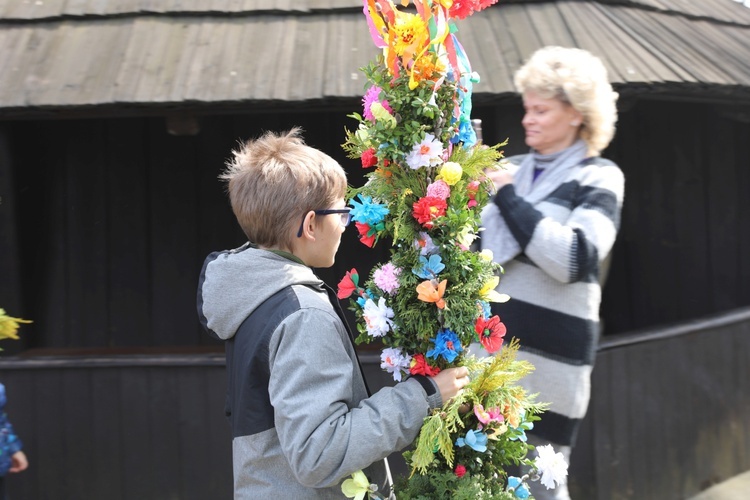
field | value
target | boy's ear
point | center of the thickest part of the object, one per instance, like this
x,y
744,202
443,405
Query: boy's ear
x,y
308,226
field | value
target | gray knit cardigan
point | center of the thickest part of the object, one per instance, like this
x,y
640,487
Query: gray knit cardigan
x,y
555,286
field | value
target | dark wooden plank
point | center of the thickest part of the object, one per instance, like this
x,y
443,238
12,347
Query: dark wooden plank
x,y
173,233
192,460
106,475
165,447
10,291
722,198
137,457
50,434
76,417
86,221
128,268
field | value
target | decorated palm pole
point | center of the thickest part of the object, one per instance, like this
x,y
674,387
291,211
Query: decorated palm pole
x,y
424,194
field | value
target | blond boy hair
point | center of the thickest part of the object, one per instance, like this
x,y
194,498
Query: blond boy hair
x,y
273,181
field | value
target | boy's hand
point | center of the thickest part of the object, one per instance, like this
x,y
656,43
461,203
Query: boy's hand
x,y
18,462
450,381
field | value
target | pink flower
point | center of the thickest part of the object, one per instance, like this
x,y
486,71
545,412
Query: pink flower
x,y
489,415
439,189
373,95
386,278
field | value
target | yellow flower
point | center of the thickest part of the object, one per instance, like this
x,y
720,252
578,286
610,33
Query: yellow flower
x,y
466,237
409,33
451,172
357,486
382,115
9,326
489,294
487,255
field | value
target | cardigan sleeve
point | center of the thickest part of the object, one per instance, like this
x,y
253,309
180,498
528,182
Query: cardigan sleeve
x,y
572,249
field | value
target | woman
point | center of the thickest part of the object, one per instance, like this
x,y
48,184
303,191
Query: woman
x,y
552,226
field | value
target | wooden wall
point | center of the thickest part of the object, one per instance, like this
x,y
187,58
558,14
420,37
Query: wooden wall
x,y
669,417
106,222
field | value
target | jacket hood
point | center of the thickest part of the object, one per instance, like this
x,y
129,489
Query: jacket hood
x,y
233,283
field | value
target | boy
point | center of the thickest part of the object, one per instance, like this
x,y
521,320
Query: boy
x,y
301,416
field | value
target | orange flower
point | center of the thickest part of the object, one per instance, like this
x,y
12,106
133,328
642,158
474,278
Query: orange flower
x,y
427,292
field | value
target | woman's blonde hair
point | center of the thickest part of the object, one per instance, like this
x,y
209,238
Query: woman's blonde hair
x,y
577,77
274,180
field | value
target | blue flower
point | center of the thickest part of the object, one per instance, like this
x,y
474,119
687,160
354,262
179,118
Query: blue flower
x,y
520,490
429,268
365,211
484,306
476,440
519,433
447,345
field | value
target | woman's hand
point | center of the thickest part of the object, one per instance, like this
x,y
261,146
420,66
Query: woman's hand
x,y
499,177
450,381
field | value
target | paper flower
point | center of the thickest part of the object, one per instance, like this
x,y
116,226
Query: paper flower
x,y
368,158
378,317
348,284
420,366
460,471
372,96
491,332
489,294
488,416
425,244
427,209
394,361
366,211
9,325
427,153
428,292
382,115
551,466
519,489
439,189
447,345
367,235
476,440
386,278
430,267
356,487
451,173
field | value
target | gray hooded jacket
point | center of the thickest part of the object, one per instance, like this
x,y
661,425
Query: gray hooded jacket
x,y
301,416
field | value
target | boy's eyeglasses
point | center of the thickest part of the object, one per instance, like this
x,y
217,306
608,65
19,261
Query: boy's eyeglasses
x,y
344,213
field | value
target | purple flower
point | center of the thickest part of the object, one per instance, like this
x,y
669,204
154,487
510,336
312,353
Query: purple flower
x,y
386,278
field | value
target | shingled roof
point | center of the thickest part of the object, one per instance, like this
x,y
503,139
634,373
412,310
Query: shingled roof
x,y
110,55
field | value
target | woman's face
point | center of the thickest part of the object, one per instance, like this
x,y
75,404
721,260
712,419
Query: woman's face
x,y
551,125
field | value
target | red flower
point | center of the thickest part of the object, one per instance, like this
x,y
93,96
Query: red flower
x,y
491,332
368,158
364,229
420,366
348,284
427,209
460,471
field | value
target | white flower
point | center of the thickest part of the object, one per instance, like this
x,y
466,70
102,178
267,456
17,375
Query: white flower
x,y
551,466
393,361
377,317
427,153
